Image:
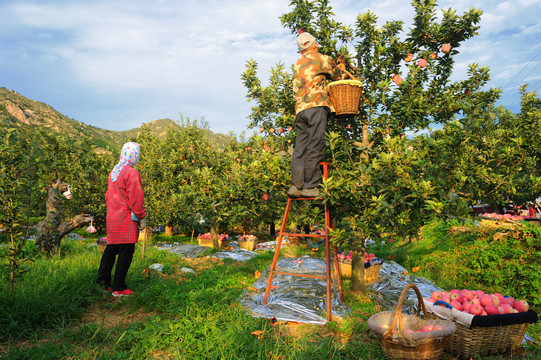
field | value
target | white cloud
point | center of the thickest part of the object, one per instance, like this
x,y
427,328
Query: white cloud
x,y
119,64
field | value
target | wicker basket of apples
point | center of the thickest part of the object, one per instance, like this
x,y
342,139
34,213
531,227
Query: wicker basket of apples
x,y
403,336
487,324
372,266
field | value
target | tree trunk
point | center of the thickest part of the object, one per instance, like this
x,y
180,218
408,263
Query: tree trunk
x,y
168,230
272,228
214,234
357,272
365,141
51,230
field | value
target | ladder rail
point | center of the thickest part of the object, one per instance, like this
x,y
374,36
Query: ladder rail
x,y
328,272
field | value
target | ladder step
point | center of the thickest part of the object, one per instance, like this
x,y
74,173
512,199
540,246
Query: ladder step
x,y
324,277
302,235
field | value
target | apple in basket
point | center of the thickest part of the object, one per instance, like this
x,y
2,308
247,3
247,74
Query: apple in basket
x,y
507,308
476,309
466,294
428,327
457,305
456,297
521,305
491,309
486,300
436,295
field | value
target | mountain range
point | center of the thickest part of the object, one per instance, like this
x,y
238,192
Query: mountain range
x,y
17,110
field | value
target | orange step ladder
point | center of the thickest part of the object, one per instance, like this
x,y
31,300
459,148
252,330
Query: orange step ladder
x,y
328,225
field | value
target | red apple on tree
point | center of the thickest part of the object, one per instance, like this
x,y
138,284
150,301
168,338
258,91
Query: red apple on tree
x,y
408,57
446,48
281,130
433,56
421,63
261,129
265,197
397,79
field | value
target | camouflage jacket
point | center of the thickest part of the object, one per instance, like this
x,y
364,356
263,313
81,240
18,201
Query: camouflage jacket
x,y
310,75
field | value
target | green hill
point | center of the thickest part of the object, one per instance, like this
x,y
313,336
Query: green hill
x,y
18,110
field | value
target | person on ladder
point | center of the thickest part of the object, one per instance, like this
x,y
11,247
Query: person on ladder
x,y
310,75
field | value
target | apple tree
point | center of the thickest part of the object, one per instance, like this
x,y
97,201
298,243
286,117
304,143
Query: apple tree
x,y
383,182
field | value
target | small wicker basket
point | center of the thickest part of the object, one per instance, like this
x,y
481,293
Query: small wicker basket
x,y
398,343
345,96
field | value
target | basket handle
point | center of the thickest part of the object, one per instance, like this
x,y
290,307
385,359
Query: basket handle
x,y
397,316
349,74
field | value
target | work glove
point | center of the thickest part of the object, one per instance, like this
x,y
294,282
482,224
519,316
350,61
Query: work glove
x,y
142,224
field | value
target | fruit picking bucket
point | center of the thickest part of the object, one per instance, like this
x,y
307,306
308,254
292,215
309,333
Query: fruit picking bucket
x,y
345,96
397,334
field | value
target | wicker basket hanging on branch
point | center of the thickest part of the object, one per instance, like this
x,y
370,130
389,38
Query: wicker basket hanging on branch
x,y
345,96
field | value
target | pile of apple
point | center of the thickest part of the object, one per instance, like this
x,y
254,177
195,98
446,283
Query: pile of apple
x,y
367,257
476,302
342,257
504,217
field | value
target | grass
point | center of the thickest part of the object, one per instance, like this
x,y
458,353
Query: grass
x,y
58,313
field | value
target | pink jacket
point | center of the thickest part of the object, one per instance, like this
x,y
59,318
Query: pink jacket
x,y
121,229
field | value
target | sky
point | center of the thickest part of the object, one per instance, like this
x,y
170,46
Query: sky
x,y
119,64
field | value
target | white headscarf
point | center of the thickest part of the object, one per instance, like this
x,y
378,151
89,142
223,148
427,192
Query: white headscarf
x,y
128,156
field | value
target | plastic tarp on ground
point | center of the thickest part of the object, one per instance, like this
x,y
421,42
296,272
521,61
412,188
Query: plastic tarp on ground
x,y
193,251
185,250
392,281
295,298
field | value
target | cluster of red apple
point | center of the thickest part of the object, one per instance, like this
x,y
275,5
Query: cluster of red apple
x,y
476,302
271,130
504,217
367,257
342,256
421,63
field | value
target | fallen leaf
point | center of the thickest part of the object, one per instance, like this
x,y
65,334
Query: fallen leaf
x,y
257,274
146,272
415,269
405,272
258,333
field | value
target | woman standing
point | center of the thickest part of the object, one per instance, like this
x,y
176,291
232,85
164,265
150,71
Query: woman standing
x,y
125,217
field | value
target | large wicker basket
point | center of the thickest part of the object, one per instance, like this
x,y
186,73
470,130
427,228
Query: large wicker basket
x,y
483,341
475,341
345,96
392,330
